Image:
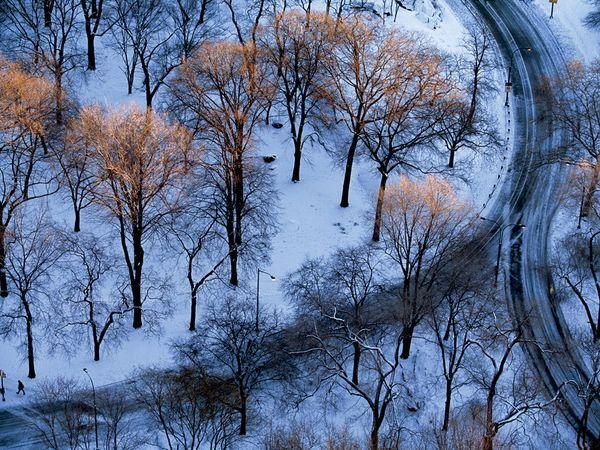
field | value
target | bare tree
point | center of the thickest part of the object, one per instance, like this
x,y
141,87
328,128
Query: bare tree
x,y
577,267
25,119
88,309
63,417
464,121
60,417
33,253
460,318
587,386
347,284
186,409
381,382
162,35
193,232
53,48
360,70
402,132
297,45
221,93
512,392
142,165
230,348
575,113
72,154
145,24
423,224
94,14
246,17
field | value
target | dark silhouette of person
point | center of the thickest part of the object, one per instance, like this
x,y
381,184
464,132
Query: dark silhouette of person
x,y
21,388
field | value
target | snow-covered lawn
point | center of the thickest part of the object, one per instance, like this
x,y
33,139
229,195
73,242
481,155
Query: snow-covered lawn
x,y
311,223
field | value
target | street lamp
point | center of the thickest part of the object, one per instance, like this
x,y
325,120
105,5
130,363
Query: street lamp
x,y
508,86
502,228
258,272
95,408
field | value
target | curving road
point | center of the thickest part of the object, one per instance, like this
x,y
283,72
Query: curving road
x,y
530,197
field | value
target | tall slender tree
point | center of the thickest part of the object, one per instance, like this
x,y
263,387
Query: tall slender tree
x,y
142,165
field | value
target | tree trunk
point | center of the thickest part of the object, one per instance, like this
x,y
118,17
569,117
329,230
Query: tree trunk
x,y
59,98
488,439
130,79
233,262
3,280
447,405
379,207
297,159
136,285
374,438
356,363
48,5
406,342
452,155
243,415
591,191
28,321
488,442
344,203
96,351
77,225
193,312
91,49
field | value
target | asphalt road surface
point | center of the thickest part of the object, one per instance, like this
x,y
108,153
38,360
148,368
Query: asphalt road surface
x,y
529,196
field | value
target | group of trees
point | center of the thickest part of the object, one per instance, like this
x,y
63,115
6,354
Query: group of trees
x,y
183,173
349,334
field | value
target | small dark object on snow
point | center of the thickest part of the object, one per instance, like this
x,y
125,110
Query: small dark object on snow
x,y
412,408
277,125
21,387
269,159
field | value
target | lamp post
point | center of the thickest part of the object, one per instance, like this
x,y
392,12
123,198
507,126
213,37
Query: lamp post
x,y
508,85
95,408
258,272
502,228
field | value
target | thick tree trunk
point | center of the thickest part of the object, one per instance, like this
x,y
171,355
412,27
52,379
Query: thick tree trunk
x,y
130,79
374,438
447,405
490,432
48,6
91,49
59,98
28,322
96,351
379,207
77,224
297,159
452,156
406,343
136,285
356,363
193,312
243,415
344,203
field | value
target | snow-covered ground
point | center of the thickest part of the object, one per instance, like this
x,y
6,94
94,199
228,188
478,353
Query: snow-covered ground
x,y
311,223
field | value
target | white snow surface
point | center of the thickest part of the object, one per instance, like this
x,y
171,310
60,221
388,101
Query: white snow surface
x,y
311,223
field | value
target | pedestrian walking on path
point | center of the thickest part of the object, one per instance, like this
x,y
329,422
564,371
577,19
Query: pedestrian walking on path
x,y
21,388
